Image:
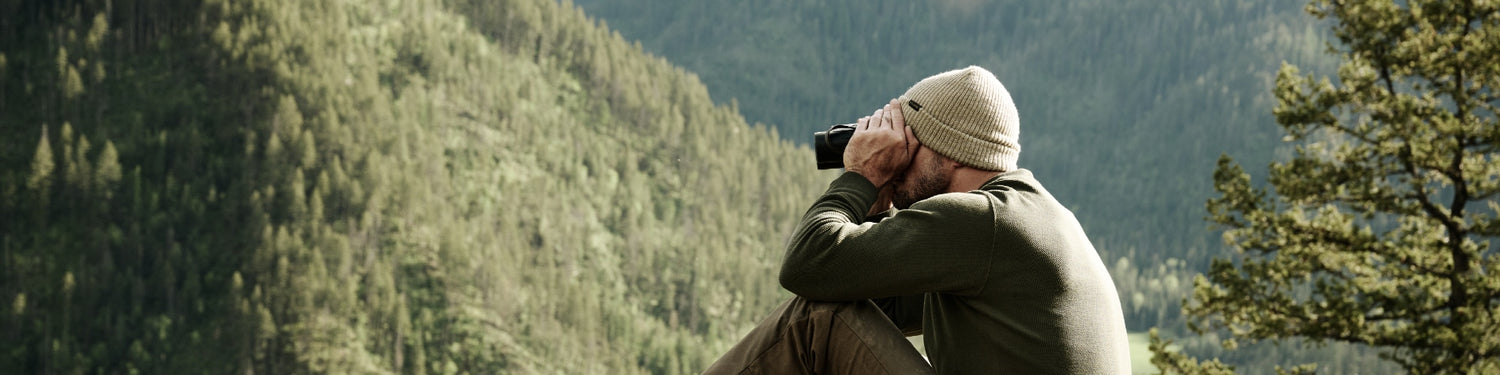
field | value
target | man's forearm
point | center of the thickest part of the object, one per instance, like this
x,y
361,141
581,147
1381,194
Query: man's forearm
x,y
817,231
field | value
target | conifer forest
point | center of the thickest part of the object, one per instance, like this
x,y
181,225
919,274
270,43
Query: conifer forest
x,y
607,186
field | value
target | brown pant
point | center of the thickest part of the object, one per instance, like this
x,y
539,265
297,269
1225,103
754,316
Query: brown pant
x,y
811,337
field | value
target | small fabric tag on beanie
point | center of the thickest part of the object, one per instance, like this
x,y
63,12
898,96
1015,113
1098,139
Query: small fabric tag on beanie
x,y
914,105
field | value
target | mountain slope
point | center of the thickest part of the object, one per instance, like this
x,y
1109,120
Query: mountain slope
x,y
393,186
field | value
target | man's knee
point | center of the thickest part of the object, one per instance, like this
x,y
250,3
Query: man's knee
x,y
822,336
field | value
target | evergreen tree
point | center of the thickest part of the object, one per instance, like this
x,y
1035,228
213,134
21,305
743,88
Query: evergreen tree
x,y
41,166
1380,228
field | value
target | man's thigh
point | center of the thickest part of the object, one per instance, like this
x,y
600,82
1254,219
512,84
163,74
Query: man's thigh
x,y
805,337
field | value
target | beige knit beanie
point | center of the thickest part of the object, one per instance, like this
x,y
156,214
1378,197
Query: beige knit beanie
x,y
966,115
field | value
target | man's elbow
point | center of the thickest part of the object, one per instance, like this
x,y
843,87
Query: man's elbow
x,y
797,282
791,280
803,272
804,285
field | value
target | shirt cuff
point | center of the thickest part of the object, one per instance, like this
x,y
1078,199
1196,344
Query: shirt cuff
x,y
860,191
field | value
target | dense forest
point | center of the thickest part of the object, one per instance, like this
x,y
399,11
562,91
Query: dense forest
x,y
1125,106
417,186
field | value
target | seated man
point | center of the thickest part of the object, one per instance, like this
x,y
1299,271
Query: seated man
x,y
933,230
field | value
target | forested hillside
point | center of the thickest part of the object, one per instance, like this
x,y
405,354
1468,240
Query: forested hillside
x,y
414,186
1125,105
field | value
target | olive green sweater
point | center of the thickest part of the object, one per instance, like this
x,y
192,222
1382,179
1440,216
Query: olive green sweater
x,y
998,280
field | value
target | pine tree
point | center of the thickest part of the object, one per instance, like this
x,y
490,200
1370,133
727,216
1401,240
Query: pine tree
x,y
41,166
107,170
1380,228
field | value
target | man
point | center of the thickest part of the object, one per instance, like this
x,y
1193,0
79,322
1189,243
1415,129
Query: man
x,y
933,230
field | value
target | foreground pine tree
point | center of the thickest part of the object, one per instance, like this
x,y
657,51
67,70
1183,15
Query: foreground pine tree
x,y
1378,229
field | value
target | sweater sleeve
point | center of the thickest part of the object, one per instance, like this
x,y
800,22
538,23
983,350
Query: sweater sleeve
x,y
941,244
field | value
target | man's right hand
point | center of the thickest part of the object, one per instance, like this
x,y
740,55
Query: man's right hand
x,y
882,146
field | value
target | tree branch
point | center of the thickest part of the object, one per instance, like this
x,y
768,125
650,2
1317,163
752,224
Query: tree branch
x,y
1421,191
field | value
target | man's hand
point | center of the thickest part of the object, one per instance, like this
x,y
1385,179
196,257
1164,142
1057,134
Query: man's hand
x,y
882,146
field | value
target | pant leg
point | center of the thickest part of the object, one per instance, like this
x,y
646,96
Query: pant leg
x,y
811,337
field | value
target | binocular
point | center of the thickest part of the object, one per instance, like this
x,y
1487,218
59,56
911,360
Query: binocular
x,y
829,145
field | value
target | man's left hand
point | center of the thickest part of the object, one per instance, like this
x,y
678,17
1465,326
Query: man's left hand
x,y
882,146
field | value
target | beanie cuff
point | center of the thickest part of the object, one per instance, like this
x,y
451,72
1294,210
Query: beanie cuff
x,y
963,148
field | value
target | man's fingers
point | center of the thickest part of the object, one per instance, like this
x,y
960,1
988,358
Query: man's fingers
x,y
898,118
886,121
875,153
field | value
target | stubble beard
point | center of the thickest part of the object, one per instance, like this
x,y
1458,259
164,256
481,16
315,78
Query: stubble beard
x,y
930,182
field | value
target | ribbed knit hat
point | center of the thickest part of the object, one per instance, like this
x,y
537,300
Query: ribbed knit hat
x,y
966,115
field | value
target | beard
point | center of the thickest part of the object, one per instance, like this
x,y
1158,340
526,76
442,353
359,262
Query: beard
x,y
929,181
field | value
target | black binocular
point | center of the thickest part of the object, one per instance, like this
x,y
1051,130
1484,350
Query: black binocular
x,y
829,145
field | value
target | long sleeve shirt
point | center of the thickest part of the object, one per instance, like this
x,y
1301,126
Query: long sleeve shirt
x,y
997,280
